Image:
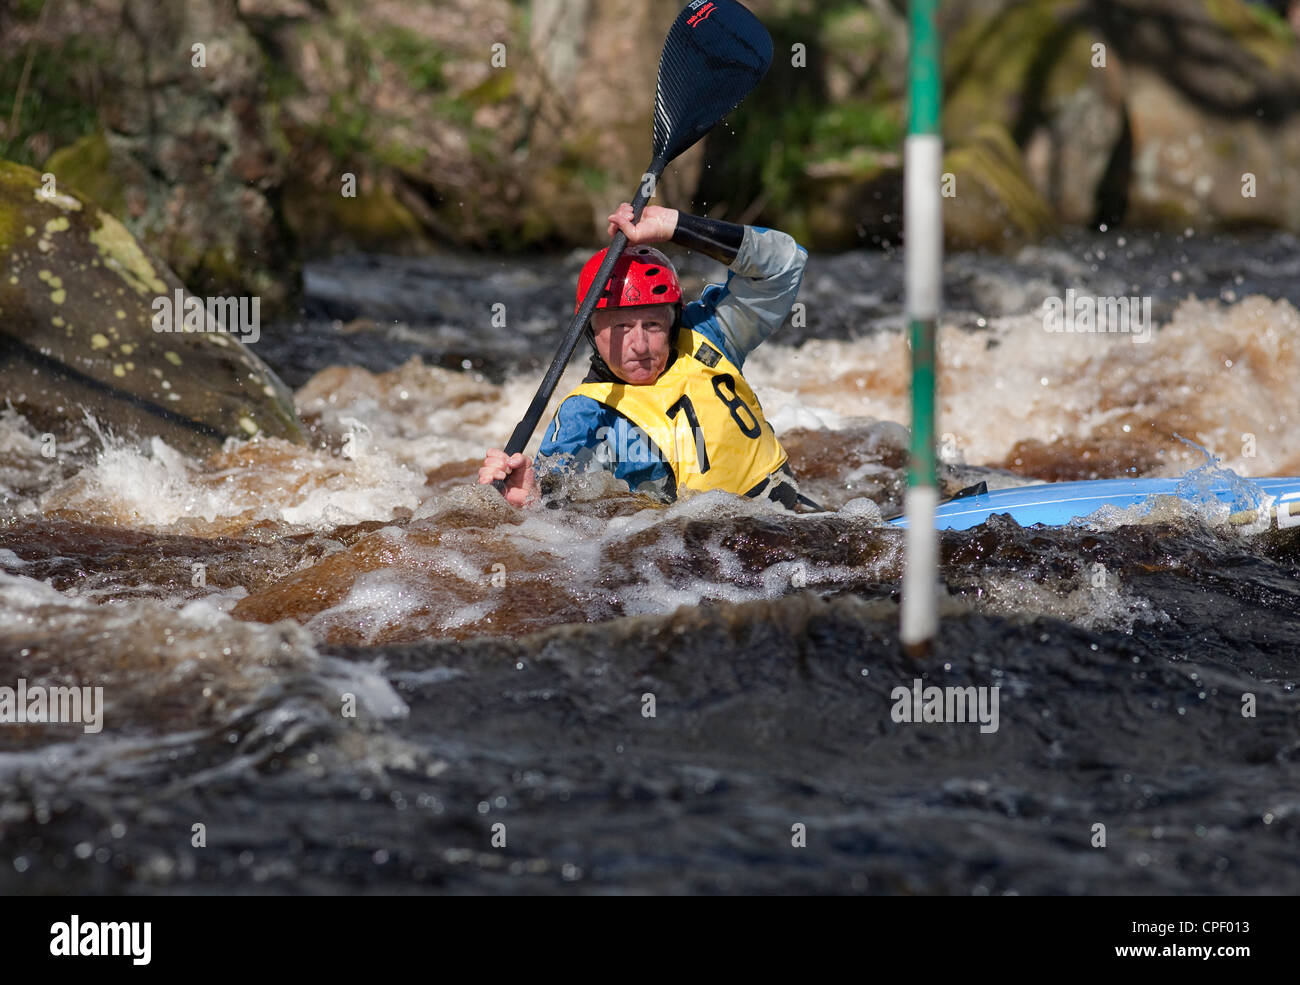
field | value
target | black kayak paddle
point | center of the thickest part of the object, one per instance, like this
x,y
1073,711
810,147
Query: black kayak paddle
x,y
715,55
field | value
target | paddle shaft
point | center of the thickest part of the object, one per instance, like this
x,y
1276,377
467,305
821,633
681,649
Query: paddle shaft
x,y
525,428
715,54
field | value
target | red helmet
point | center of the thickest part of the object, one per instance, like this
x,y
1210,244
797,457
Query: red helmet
x,y
642,275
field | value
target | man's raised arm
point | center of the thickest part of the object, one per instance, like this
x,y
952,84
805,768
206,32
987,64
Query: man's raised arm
x,y
766,269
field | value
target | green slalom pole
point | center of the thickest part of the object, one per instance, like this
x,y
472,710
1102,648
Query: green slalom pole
x,y
923,273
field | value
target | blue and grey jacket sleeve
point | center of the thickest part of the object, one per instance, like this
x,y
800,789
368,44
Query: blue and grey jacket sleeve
x,y
761,288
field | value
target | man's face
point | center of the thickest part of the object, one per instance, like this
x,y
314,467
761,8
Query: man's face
x,y
634,341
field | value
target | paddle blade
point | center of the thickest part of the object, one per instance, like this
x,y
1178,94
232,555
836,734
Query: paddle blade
x,y
716,53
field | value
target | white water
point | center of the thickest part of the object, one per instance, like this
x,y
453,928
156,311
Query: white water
x,y
406,444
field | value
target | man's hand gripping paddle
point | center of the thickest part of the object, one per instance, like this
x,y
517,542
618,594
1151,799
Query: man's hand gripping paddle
x,y
716,53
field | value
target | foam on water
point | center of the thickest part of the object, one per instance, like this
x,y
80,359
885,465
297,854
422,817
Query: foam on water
x,y
1105,606
377,601
26,467
158,488
425,416
402,448
192,665
1205,485
756,627
1055,406
1010,395
458,569
1207,495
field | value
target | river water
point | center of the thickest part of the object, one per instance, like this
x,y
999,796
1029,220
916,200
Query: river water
x,y
347,668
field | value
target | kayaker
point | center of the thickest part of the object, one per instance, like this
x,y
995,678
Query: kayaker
x,y
664,405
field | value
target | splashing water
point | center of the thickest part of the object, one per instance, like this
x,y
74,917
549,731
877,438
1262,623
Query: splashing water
x,y
349,660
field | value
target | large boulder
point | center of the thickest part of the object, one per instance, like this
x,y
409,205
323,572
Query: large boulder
x,y
1156,113
993,205
77,332
321,125
1213,92
594,68
187,148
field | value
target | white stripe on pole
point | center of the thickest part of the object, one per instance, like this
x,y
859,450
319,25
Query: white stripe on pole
x,y
923,224
923,266
920,619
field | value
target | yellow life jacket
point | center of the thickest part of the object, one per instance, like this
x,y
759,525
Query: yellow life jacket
x,y
702,416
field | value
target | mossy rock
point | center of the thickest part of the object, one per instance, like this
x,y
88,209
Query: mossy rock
x,y
993,63
1257,29
994,205
77,333
848,204
374,219
87,165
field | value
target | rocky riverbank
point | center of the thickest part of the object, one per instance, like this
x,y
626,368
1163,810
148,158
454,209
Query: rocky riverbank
x,y
236,139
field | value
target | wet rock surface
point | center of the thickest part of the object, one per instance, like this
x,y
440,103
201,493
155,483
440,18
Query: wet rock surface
x,y
77,334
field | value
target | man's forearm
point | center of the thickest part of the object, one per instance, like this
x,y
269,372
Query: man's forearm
x,y
712,237
762,284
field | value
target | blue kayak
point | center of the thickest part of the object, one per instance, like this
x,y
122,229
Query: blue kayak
x,y
1257,503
